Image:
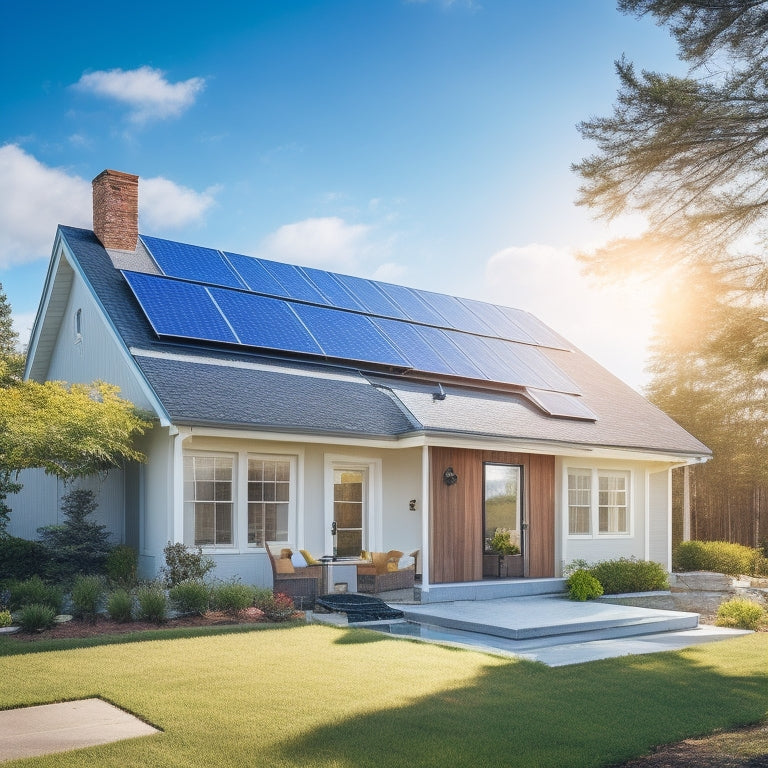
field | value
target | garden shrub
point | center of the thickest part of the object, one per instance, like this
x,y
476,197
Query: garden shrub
x,y
87,595
153,604
34,590
183,563
232,596
582,585
35,617
716,556
5,618
741,612
78,545
21,559
190,596
276,607
626,574
122,565
120,605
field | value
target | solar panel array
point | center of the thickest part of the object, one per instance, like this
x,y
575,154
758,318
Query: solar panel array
x,y
228,298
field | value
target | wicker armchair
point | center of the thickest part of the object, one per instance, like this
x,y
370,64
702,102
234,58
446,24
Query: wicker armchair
x,y
380,576
300,584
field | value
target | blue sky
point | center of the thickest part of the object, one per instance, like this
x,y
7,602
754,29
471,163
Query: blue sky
x,y
425,142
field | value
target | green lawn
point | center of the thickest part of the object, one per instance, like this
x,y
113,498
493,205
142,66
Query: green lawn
x,y
320,696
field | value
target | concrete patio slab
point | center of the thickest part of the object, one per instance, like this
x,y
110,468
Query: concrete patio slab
x,y
51,728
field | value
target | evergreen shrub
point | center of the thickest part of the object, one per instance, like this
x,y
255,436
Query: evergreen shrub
x,y
626,574
153,604
190,596
36,617
717,556
20,558
582,585
120,605
78,545
122,565
232,596
742,613
87,596
34,590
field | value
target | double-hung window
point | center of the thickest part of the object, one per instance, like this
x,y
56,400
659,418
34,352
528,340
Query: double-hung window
x,y
208,498
598,502
269,499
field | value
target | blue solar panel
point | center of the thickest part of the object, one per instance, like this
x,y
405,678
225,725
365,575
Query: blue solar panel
x,y
191,262
176,308
441,343
413,346
374,301
263,322
501,325
293,280
336,294
349,336
254,275
535,328
560,404
493,366
458,316
518,369
552,373
412,306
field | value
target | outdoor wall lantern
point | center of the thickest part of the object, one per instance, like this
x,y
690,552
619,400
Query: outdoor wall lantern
x,y
450,477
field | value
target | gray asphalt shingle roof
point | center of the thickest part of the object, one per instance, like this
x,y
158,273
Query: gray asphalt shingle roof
x,y
201,384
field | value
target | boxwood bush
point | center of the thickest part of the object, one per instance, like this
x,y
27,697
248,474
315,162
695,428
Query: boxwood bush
x,y
21,559
626,574
232,596
717,556
190,596
741,612
582,585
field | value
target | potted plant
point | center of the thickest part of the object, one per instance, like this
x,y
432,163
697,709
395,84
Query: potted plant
x,y
509,560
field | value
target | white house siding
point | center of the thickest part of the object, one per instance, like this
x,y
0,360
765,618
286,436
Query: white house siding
x,y
660,544
96,354
39,502
400,482
598,546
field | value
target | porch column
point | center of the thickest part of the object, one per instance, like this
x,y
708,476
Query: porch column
x,y
425,506
176,489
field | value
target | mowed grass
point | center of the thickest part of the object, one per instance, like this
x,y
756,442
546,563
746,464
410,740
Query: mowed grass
x,y
321,696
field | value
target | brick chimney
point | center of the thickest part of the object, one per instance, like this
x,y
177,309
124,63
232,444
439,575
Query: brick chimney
x,y
116,209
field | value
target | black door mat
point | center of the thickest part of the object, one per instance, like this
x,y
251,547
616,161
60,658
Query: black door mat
x,y
359,607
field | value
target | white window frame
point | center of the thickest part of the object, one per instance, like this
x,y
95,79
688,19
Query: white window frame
x,y
292,495
595,474
189,521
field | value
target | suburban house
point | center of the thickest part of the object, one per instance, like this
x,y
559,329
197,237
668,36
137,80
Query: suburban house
x,y
338,414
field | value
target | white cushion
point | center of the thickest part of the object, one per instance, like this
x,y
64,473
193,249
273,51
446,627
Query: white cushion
x,y
406,561
298,560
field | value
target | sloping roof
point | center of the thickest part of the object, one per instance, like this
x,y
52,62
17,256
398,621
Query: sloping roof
x,y
204,382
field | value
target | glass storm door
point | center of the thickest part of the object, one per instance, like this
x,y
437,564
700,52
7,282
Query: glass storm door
x,y
502,503
349,511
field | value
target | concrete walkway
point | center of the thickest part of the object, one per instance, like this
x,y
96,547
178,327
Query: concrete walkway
x,y
50,728
555,630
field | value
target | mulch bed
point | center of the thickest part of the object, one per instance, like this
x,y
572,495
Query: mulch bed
x,y
106,626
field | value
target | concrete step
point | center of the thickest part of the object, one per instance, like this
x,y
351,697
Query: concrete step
x,y
529,618
490,589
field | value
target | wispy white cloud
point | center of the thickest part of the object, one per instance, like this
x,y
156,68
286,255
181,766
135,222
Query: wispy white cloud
x,y
145,90
327,242
35,199
166,205
609,323
390,272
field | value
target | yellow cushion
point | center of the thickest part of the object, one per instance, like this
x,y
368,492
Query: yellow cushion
x,y
310,560
284,565
391,565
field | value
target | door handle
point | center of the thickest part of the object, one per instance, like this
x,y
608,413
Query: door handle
x,y
333,528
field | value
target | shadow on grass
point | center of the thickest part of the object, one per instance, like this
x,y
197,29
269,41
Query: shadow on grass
x,y
359,637
525,714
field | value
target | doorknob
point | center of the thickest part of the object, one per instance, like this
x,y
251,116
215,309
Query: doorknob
x,y
333,528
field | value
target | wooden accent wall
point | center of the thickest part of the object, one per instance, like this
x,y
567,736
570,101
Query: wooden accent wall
x,y
456,513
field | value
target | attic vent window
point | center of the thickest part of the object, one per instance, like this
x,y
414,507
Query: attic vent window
x,y
78,325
